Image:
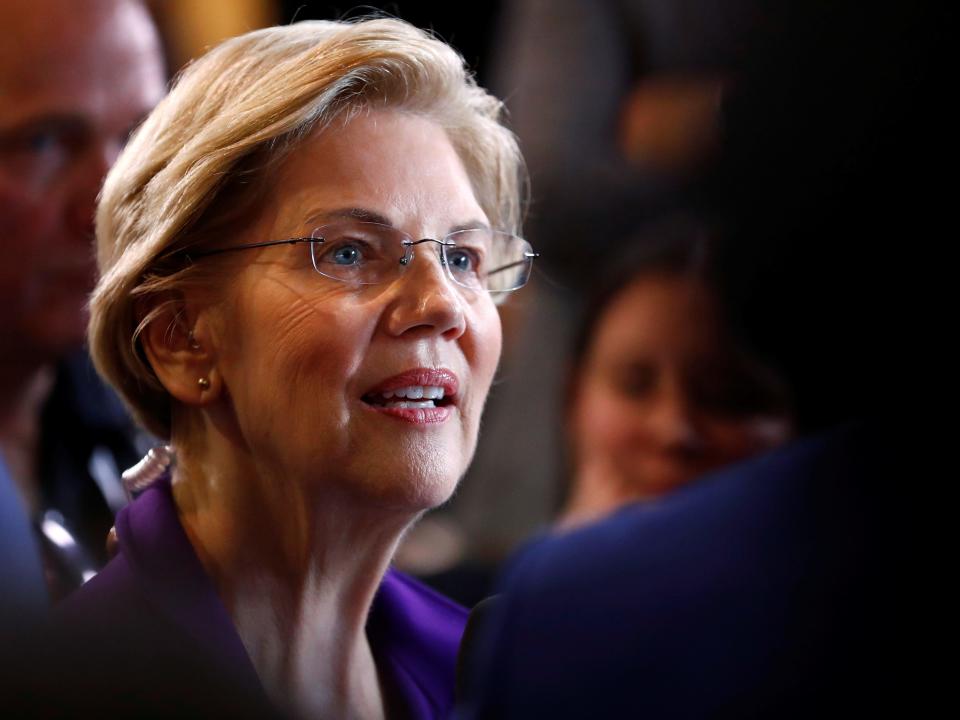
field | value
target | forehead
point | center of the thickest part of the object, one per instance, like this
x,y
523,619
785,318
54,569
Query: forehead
x,y
55,58
659,314
400,165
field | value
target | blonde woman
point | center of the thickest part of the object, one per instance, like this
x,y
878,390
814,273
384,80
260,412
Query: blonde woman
x,y
300,252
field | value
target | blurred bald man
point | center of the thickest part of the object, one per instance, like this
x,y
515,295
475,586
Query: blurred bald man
x,y
75,79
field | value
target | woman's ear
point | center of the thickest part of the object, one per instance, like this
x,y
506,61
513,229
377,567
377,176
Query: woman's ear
x,y
179,346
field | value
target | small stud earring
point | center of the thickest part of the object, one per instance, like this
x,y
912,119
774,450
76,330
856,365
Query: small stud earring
x,y
204,383
192,341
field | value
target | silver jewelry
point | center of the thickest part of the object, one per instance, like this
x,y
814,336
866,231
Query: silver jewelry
x,y
154,465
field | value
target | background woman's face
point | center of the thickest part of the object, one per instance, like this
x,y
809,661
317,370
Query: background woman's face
x,y
305,358
662,397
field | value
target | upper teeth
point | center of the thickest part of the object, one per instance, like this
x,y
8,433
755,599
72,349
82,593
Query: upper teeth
x,y
416,392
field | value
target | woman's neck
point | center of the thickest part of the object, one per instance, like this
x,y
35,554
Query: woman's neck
x,y
297,569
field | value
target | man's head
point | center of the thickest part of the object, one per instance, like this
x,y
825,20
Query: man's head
x,y
75,79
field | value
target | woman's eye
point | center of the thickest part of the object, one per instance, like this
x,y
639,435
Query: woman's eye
x,y
348,254
635,381
462,261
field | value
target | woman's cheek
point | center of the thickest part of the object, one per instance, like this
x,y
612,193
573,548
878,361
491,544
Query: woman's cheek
x,y
605,422
735,440
490,335
482,346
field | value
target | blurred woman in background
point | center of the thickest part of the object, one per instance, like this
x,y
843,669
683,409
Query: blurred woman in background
x,y
661,390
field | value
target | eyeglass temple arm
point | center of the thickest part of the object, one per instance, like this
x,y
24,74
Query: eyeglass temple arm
x,y
526,258
265,243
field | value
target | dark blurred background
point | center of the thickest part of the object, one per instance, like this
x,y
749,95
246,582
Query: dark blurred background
x,y
192,26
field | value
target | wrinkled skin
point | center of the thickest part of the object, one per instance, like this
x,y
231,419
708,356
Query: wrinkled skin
x,y
297,351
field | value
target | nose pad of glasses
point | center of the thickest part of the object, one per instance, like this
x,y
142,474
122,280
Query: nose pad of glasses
x,y
407,256
408,252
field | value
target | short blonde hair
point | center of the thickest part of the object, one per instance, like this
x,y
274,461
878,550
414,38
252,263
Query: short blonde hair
x,y
208,148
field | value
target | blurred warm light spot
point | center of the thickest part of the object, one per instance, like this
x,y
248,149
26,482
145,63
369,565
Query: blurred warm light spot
x,y
191,27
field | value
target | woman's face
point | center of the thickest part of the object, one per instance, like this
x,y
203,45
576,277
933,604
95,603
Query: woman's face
x,y
662,397
308,362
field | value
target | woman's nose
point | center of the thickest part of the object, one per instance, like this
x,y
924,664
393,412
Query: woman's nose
x,y
426,300
673,424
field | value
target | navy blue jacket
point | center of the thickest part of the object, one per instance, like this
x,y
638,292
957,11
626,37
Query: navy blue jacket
x,y
766,590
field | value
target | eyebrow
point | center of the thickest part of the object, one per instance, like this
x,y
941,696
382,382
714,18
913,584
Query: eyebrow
x,y
472,225
354,213
365,215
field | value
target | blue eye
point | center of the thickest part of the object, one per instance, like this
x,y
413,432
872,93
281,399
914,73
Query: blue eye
x,y
462,261
347,255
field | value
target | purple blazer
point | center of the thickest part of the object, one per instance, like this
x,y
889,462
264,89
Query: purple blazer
x,y
152,623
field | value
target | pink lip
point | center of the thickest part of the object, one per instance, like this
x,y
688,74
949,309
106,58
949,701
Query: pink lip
x,y
419,376
436,377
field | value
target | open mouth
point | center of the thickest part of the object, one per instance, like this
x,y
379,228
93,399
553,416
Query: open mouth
x,y
411,397
420,394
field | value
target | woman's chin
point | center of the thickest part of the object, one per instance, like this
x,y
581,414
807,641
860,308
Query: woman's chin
x,y
424,492
401,491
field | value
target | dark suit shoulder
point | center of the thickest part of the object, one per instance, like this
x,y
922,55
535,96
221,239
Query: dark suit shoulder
x,y
758,590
